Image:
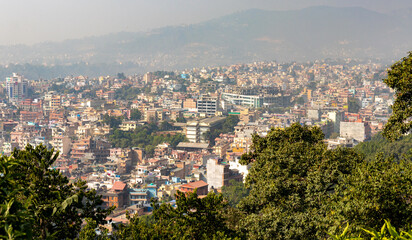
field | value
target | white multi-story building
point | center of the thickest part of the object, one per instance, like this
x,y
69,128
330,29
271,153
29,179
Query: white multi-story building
x,y
195,130
207,105
61,144
243,100
17,88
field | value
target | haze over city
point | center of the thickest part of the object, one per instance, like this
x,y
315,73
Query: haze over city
x,y
28,22
206,119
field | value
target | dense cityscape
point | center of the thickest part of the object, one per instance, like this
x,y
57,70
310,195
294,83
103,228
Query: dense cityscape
x,y
215,120
137,137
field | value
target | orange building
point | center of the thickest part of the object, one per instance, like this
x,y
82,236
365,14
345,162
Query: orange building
x,y
201,186
116,196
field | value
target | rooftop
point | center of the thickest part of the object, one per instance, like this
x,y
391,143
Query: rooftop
x,y
197,184
119,186
193,145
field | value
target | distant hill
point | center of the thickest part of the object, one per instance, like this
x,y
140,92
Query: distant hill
x,y
252,35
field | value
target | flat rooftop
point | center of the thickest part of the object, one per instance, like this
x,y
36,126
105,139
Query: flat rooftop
x,y
193,145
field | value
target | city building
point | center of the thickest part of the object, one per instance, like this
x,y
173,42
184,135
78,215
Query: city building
x,y
196,130
201,186
17,88
61,144
243,100
219,174
359,131
207,105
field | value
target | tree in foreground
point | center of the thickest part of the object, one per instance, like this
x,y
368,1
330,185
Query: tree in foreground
x,y
192,218
386,232
376,191
400,79
234,192
40,201
291,179
301,190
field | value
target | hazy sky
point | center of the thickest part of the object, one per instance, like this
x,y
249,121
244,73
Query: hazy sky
x,y
32,21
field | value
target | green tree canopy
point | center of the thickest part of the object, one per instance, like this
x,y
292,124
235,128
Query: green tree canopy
x,y
135,114
376,190
290,179
43,204
400,79
354,105
112,121
234,192
228,126
166,126
144,137
400,148
192,218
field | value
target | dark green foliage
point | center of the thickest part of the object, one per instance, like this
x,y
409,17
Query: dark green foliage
x,y
89,232
378,144
135,114
15,221
235,192
43,204
299,101
127,93
87,91
165,126
181,119
377,190
227,127
400,79
312,85
112,121
291,175
354,105
193,218
121,76
144,137
60,88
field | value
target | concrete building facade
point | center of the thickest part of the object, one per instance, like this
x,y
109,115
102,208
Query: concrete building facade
x,y
195,130
207,105
359,131
219,174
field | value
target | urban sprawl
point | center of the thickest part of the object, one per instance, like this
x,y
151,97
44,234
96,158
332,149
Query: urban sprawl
x,y
134,138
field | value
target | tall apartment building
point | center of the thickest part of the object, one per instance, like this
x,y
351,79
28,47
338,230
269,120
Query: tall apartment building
x,y
336,117
207,105
62,144
17,88
55,102
195,130
148,78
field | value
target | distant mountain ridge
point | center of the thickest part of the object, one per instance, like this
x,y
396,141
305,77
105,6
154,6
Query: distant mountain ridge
x,y
252,35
